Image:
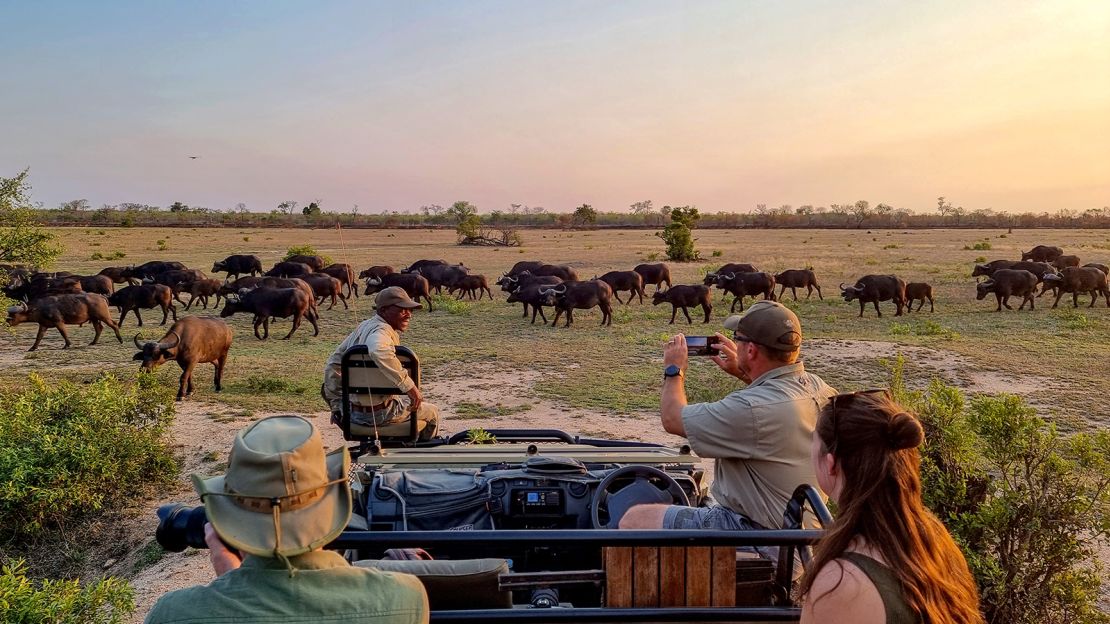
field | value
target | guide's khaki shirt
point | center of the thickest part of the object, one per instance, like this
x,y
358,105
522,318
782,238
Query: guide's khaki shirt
x,y
760,436
380,339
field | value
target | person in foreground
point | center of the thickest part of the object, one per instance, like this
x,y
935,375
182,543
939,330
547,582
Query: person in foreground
x,y
760,435
886,559
379,334
280,502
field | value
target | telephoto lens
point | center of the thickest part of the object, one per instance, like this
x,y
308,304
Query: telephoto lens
x,y
180,526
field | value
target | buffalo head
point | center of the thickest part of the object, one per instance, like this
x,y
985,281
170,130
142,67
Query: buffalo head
x,y
980,269
218,266
850,292
983,289
152,354
710,279
18,314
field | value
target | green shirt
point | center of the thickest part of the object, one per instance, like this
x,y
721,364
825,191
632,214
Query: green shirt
x,y
324,588
760,436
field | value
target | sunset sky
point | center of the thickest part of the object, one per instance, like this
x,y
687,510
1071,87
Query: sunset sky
x,y
723,105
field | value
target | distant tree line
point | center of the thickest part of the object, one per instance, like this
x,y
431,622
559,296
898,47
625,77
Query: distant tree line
x,y
860,214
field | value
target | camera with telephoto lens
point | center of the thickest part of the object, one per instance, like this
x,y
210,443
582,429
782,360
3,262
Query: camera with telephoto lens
x,y
701,345
180,526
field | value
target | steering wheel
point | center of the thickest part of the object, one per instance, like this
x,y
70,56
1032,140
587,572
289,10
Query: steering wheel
x,y
641,491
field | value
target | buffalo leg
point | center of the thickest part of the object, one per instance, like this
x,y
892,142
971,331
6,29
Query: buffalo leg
x,y
782,290
296,324
1075,299
793,291
542,315
173,311
114,327
166,314
674,311
558,312
525,315
686,313
38,337
344,300
901,303
617,296
429,300
878,311
1094,297
819,295
570,317
313,318
535,309
1059,293
705,307
97,328
1006,302
861,304
190,304
140,319
999,297
257,322
220,371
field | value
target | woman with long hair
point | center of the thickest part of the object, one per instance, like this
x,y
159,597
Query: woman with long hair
x,y
886,559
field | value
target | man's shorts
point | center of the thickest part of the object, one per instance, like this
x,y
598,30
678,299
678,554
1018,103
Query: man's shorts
x,y
715,517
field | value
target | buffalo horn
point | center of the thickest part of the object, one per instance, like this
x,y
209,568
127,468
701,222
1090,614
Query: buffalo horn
x,y
544,291
730,276
711,275
559,292
842,287
373,281
174,334
136,339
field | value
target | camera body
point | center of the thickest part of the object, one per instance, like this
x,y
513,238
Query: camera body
x,y
701,345
180,526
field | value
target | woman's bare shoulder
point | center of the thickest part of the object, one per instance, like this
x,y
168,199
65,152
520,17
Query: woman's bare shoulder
x,y
841,592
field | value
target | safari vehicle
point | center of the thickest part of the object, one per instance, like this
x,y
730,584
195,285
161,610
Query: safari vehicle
x,y
521,530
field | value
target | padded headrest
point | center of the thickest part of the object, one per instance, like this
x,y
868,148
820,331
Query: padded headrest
x,y
454,584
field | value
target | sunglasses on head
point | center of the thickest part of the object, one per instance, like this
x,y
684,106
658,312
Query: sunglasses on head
x,y
844,401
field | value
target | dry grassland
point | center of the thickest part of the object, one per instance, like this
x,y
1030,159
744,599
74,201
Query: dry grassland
x,y
1056,358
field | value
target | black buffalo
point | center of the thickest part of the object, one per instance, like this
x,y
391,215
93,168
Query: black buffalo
x,y
711,278
346,276
192,340
742,285
116,274
561,271
315,262
1077,280
415,285
569,296
1006,283
238,264
620,281
420,264
684,296
59,310
324,286
530,295
290,269
152,268
989,268
1042,253
525,265
876,288
441,275
657,274
146,297
266,303
798,278
376,271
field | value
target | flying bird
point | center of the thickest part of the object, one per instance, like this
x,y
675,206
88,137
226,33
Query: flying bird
x,y
194,157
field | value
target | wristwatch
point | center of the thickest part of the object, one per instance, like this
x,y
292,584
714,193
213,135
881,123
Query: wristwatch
x,y
672,371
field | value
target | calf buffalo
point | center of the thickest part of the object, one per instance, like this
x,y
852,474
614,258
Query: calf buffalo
x,y
1006,283
1078,280
742,285
514,285
202,289
1042,253
989,268
265,303
876,288
248,283
798,278
99,284
290,269
656,274
192,340
684,296
415,285
346,276
620,281
324,286
316,263
59,310
569,296
918,291
116,274
238,264
469,285
146,297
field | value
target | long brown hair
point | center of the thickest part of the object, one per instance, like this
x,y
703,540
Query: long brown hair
x,y
874,442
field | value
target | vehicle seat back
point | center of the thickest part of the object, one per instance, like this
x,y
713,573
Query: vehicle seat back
x,y
361,378
454,584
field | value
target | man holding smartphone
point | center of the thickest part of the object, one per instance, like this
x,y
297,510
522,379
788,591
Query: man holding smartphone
x,y
759,435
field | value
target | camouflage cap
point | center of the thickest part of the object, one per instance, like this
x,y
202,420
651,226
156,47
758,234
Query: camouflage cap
x,y
769,324
395,295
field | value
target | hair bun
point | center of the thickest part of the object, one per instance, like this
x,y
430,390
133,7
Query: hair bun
x,y
904,431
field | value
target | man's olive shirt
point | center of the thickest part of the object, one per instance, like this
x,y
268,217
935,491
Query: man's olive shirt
x,y
760,436
324,588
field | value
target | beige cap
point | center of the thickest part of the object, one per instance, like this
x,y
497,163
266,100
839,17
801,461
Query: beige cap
x,y
281,496
770,324
395,295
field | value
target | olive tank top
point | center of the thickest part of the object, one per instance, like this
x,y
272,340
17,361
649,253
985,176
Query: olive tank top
x,y
898,611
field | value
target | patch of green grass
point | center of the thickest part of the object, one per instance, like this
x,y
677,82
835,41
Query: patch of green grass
x,y
450,305
891,246
470,409
477,435
150,554
273,385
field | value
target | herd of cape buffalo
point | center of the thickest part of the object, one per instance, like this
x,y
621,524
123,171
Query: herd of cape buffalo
x,y
298,285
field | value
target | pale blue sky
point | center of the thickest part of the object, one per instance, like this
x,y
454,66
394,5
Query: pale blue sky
x,y
1001,105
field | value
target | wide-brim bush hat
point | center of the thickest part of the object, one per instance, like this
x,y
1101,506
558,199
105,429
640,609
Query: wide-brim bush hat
x,y
282,496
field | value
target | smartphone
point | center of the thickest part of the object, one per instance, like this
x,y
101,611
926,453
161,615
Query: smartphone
x,y
701,345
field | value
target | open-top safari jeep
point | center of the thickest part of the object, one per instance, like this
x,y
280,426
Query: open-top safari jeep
x,y
522,529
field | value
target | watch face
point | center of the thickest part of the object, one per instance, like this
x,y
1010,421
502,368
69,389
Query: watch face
x,y
671,371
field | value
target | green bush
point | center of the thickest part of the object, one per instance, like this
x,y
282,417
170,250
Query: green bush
x,y
69,449
678,235
1026,504
981,246
24,601
306,250
451,305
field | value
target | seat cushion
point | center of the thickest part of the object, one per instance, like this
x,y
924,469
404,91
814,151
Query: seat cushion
x,y
454,584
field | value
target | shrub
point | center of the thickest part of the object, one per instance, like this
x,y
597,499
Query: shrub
x,y
105,601
305,250
127,221
162,246
980,246
890,246
980,259
1026,504
678,235
717,253
68,449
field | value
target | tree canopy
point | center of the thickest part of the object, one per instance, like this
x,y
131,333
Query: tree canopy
x,y
22,238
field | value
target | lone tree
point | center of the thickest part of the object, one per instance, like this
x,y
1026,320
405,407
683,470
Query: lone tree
x,y
584,215
22,238
312,209
678,234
